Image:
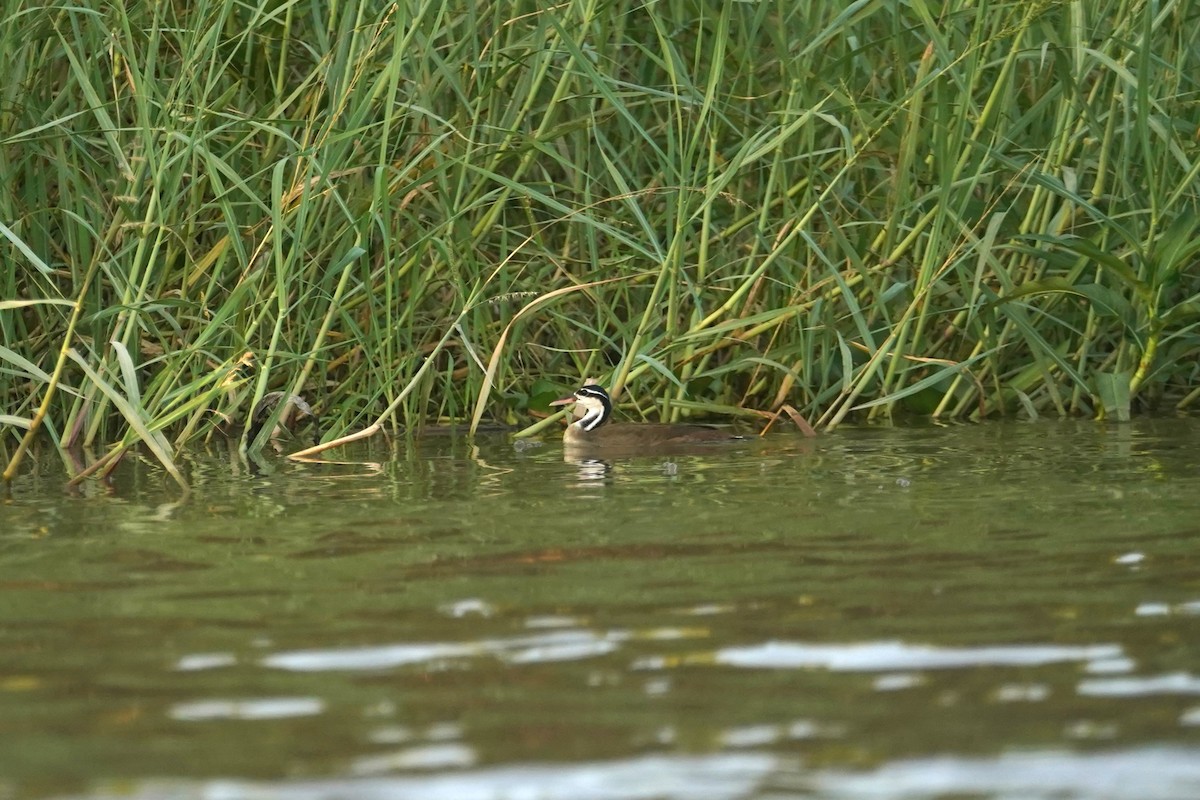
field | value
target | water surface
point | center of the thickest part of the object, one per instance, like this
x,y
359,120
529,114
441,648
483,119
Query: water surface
x,y
1004,611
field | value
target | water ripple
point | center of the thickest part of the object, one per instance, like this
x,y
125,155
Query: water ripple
x,y
558,645
887,656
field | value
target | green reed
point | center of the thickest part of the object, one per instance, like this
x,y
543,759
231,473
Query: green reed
x,y
429,211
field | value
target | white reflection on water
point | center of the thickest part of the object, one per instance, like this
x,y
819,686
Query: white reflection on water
x,y
763,735
888,656
469,606
898,680
1148,609
424,757
718,777
574,645
1152,773
356,658
1021,693
1108,666
1175,683
1148,774
199,661
255,708
552,621
564,645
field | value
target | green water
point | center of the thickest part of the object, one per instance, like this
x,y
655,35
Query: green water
x,y
1008,611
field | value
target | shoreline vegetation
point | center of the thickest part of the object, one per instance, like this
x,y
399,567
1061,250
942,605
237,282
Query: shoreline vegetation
x,y
430,211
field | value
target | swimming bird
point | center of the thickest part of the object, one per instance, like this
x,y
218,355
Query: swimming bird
x,y
593,430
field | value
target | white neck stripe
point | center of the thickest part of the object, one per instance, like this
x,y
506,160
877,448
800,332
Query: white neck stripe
x,y
591,420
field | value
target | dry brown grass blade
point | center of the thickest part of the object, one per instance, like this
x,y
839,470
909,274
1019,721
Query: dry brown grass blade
x,y
494,362
365,433
797,419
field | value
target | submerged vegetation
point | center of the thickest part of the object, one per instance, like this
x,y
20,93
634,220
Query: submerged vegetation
x,y
432,210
